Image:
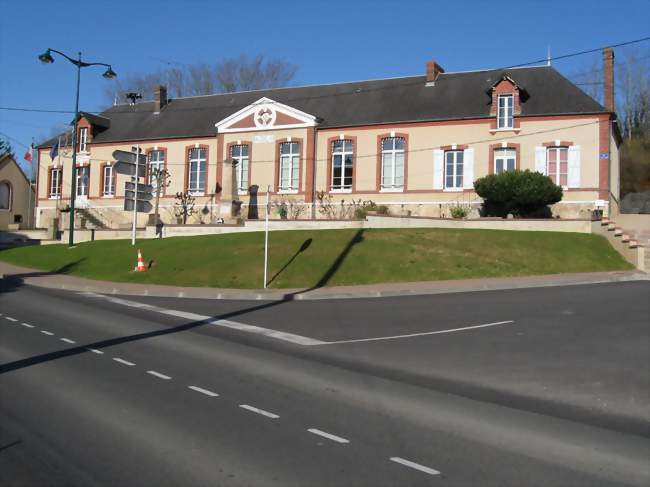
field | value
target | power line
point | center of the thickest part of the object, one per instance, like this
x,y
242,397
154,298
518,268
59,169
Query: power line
x,y
443,78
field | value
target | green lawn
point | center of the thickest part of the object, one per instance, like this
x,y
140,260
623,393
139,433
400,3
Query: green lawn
x,y
329,257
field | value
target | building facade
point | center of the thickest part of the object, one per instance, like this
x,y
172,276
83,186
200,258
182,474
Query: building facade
x,y
415,144
16,195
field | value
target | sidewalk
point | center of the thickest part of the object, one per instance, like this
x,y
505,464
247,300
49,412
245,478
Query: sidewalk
x,y
13,276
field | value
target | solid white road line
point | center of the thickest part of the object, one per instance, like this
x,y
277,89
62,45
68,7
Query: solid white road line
x,y
158,374
203,391
45,332
329,436
67,340
27,325
259,411
280,335
122,361
414,465
395,337
94,350
10,318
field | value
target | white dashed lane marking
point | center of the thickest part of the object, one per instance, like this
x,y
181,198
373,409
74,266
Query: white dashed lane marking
x,y
45,332
203,391
94,350
67,340
416,466
158,374
329,436
259,411
27,325
122,361
10,318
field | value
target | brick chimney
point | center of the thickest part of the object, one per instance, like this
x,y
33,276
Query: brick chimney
x,y
160,98
608,73
433,71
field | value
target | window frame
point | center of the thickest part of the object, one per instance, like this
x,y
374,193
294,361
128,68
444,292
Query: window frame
x,y
157,163
293,158
241,159
508,120
342,187
83,139
58,193
557,177
497,155
393,152
112,180
79,171
197,191
10,195
455,186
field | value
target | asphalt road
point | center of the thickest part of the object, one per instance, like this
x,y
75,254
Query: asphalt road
x,y
529,387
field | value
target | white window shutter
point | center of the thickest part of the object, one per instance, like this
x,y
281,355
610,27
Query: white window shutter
x,y
438,168
540,159
468,168
573,179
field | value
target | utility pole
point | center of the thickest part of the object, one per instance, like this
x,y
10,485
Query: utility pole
x,y
136,178
266,236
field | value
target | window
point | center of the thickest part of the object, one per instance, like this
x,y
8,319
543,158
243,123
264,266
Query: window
x,y
454,169
156,164
289,166
392,163
83,139
240,154
504,160
109,181
5,196
342,162
557,166
198,164
505,112
83,180
55,182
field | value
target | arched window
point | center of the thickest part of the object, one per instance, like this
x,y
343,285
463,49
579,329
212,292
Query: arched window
x,y
5,196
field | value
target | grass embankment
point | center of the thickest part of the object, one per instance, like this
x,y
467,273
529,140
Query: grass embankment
x,y
329,257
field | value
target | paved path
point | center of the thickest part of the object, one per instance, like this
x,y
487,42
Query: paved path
x,y
39,278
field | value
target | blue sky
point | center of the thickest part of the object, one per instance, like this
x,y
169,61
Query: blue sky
x,y
328,41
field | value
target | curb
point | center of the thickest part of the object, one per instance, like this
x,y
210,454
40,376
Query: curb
x,y
40,279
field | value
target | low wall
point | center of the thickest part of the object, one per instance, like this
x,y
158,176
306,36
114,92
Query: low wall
x,y
537,225
14,235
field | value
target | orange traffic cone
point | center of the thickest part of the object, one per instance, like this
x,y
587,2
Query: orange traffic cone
x,y
140,267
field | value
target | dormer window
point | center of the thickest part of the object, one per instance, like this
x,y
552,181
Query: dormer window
x,y
505,119
83,139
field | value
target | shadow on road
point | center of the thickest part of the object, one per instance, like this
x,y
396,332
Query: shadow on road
x,y
11,282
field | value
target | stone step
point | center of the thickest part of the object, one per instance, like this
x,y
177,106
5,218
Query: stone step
x,y
625,238
611,226
604,222
618,231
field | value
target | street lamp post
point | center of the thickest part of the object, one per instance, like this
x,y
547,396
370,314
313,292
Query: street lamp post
x,y
47,58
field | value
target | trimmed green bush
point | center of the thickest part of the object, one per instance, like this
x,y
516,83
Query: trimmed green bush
x,y
522,193
459,211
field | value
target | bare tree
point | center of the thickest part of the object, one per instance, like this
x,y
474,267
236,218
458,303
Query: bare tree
x,y
228,75
633,83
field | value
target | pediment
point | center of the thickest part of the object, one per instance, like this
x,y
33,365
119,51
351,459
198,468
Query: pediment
x,y
265,114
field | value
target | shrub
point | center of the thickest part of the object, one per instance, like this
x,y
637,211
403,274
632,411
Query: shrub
x,y
459,211
522,193
382,210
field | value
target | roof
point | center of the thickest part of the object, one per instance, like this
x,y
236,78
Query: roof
x,y
8,157
454,96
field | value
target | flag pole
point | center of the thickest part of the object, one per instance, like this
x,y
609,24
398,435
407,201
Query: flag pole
x,y
266,236
29,193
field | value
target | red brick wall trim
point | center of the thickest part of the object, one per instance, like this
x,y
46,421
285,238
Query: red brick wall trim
x,y
558,143
330,142
494,147
381,137
218,187
603,158
301,160
188,148
310,157
451,147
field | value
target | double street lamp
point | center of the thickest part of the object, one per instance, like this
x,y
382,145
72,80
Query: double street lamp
x,y
47,58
